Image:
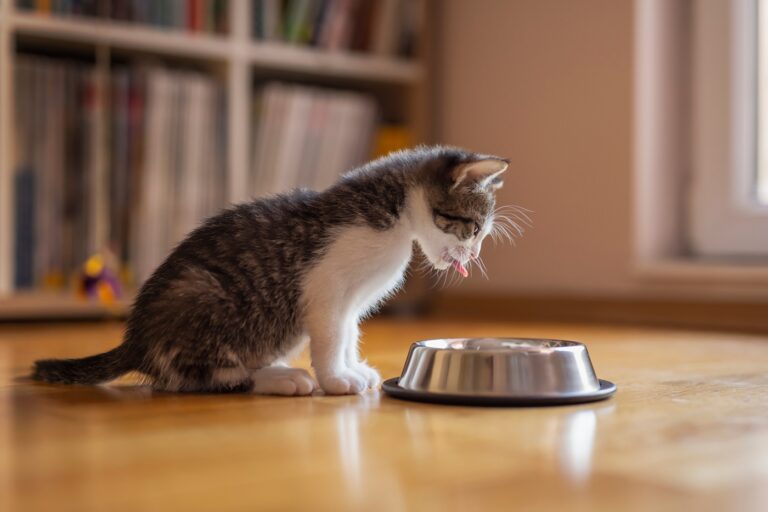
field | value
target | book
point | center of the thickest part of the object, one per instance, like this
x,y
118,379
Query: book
x,y
384,37
24,193
307,136
381,27
135,194
192,15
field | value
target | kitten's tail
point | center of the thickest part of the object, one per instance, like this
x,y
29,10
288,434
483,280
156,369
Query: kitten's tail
x,y
87,370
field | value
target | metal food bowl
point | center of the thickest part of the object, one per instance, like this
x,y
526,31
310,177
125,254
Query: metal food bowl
x,y
499,371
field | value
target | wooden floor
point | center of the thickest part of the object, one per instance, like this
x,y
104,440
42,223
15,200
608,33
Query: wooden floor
x,y
687,430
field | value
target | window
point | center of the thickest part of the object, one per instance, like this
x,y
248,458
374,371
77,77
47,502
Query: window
x,y
761,182
728,193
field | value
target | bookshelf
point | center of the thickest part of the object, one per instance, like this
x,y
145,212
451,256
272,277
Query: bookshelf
x,y
217,48
235,58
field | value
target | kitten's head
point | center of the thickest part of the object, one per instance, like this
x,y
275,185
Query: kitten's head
x,y
460,194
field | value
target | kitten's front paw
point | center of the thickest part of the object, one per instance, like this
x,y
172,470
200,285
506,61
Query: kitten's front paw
x,y
369,373
344,382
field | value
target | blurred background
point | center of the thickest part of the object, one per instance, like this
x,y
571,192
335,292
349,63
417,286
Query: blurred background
x,y
633,128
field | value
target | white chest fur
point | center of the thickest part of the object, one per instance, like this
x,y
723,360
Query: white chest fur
x,y
360,268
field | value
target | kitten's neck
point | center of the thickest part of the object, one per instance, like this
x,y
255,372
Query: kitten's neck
x,y
416,212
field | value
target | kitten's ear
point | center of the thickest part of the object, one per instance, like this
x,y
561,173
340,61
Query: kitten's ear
x,y
483,172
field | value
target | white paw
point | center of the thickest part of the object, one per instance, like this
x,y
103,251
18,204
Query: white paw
x,y
342,382
282,381
369,373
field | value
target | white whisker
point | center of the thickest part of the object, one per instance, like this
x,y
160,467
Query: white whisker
x,y
479,262
520,213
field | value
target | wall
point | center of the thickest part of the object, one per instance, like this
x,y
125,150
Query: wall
x,y
548,84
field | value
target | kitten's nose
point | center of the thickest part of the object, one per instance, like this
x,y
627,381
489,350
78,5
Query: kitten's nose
x,y
463,252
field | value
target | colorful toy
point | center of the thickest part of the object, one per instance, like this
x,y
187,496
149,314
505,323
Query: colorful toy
x,y
99,281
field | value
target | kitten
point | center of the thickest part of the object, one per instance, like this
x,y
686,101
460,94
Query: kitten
x,y
250,287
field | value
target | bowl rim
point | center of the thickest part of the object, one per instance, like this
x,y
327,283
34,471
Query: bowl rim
x,y
560,345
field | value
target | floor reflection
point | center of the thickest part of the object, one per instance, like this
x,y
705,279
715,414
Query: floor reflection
x,y
368,474
561,440
576,433
348,419
577,442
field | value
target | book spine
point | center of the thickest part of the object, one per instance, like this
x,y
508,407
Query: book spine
x,y
25,210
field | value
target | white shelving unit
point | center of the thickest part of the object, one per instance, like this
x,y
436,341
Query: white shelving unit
x,y
235,55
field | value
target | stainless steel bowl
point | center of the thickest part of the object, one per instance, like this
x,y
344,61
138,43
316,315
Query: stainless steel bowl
x,y
499,370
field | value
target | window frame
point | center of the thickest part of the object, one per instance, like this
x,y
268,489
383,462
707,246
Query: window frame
x,y
661,161
724,124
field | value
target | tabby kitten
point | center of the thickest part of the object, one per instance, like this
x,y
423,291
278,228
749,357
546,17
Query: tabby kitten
x,y
250,287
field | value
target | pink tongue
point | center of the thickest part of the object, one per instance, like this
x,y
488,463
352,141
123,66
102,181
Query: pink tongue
x,y
460,268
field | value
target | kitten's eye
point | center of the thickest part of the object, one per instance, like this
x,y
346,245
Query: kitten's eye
x,y
476,230
453,218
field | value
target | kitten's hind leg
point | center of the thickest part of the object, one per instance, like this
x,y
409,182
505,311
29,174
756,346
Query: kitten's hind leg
x,y
204,379
231,380
280,379
179,370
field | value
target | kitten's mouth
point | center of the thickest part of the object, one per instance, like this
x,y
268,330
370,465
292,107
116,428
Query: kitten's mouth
x,y
456,263
460,268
